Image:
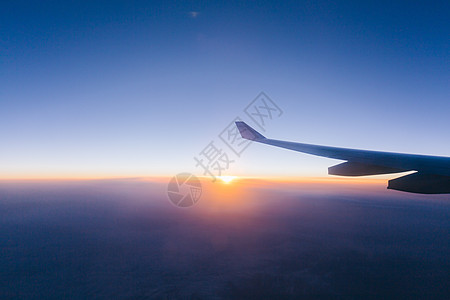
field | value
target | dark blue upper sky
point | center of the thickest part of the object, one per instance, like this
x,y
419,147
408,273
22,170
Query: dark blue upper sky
x,y
138,88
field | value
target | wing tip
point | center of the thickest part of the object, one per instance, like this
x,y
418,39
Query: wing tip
x,y
248,133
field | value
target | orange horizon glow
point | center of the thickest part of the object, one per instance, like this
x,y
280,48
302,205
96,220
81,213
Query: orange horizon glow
x,y
223,179
231,195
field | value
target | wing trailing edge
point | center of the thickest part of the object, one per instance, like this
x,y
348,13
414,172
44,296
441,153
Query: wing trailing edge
x,y
360,169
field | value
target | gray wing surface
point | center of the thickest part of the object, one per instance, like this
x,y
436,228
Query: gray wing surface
x,y
432,174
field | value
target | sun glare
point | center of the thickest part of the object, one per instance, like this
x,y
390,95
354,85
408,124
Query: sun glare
x,y
227,179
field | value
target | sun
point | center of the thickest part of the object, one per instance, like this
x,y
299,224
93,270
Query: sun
x,y
227,179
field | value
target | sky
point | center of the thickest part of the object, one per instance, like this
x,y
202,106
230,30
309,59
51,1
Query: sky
x,y
134,91
140,88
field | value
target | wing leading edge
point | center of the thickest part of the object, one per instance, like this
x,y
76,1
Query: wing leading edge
x,y
432,174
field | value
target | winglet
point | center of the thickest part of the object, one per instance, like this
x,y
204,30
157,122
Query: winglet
x,y
249,133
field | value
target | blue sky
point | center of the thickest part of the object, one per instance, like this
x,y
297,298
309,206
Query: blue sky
x,y
134,88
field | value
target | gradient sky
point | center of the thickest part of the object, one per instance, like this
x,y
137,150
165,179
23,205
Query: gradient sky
x,y
134,88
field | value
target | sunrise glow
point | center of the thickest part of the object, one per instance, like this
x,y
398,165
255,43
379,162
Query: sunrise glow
x,y
227,179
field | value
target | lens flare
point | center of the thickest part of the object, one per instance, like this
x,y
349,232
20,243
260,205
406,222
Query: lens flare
x,y
227,179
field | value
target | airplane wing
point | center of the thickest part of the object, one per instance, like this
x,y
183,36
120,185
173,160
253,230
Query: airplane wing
x,y
432,174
